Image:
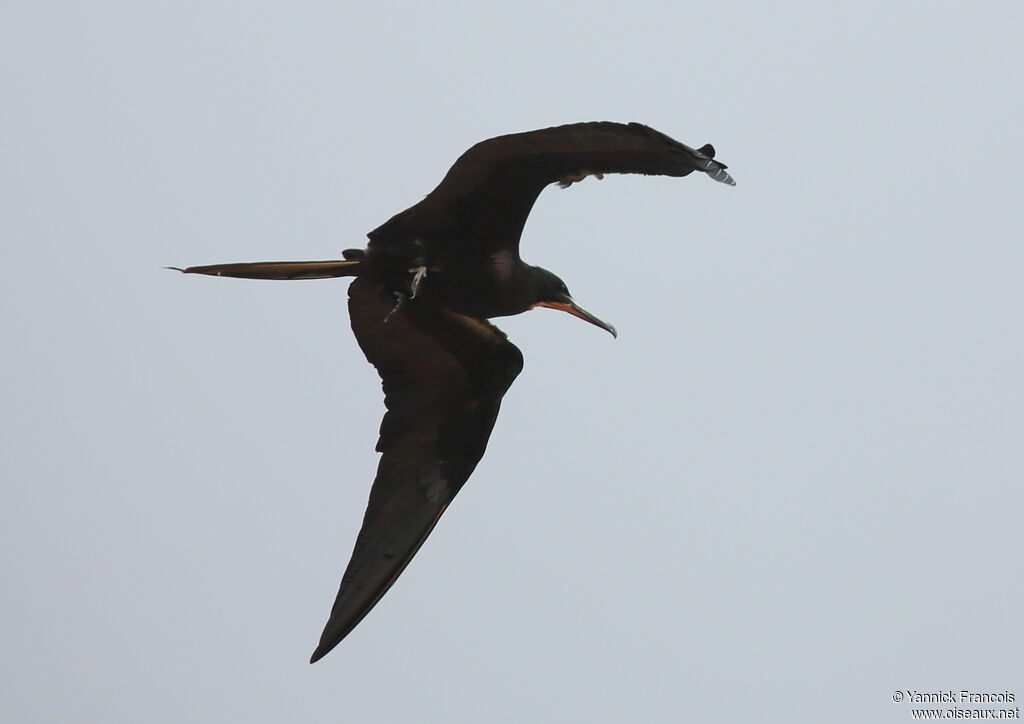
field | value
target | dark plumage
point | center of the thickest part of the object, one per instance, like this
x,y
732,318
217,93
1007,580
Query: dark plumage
x,y
427,282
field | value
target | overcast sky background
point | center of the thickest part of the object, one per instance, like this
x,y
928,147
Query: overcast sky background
x,y
791,487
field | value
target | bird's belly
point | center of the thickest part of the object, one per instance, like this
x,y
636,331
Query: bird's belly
x,y
475,286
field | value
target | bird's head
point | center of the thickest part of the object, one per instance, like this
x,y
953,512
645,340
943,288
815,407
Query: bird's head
x,y
550,291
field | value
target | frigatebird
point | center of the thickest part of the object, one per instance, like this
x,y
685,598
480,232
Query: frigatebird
x,y
426,284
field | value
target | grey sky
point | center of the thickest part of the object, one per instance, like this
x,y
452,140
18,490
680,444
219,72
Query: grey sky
x,y
791,486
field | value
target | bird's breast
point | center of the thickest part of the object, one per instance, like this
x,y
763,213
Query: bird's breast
x,y
482,291
502,264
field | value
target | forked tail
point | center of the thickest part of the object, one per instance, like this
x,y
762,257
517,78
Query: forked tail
x,y
279,269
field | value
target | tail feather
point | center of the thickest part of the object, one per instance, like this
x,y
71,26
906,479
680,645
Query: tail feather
x,y
278,269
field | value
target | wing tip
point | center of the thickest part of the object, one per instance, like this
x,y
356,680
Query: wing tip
x,y
715,169
327,645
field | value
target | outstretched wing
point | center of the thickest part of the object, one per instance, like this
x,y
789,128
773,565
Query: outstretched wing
x,y
444,376
489,191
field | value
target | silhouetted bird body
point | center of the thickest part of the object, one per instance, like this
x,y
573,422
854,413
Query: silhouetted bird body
x,y
427,282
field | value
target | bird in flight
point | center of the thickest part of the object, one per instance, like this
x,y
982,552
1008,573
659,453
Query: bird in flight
x,y
425,286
